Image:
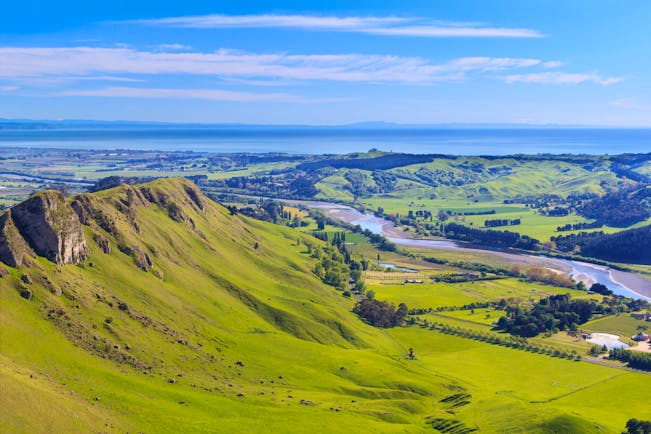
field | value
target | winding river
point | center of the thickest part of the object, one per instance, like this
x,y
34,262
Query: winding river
x,y
620,282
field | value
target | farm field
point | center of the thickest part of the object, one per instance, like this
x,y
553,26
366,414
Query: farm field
x,y
513,391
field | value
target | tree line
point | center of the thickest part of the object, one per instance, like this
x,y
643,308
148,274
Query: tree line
x,y
632,245
633,359
503,239
501,222
560,312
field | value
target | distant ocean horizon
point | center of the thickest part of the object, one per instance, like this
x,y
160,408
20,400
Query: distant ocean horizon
x,y
489,141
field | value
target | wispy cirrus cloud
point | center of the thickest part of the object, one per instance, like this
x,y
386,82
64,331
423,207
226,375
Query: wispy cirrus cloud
x,y
18,63
165,93
561,78
387,26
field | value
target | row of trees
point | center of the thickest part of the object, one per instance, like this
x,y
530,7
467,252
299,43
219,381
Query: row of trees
x,y
503,239
634,359
579,226
514,342
501,222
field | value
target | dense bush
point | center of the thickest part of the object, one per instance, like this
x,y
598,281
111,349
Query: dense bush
x,y
634,426
380,313
620,208
557,312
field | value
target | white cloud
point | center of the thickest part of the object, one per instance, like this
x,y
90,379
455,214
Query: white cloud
x,y
561,78
25,63
630,104
435,31
103,78
8,88
390,26
173,47
270,20
489,63
199,94
206,94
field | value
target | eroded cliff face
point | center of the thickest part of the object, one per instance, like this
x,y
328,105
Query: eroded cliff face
x,y
48,225
14,250
43,225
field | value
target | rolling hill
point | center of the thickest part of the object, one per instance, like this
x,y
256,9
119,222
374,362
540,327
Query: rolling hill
x,y
150,308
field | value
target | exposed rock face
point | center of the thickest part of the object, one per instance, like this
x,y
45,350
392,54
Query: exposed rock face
x,y
50,227
14,250
103,243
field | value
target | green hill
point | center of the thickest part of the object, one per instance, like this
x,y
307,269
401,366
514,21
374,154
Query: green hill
x,y
152,309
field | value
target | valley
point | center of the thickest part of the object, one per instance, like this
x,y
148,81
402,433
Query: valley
x,y
187,316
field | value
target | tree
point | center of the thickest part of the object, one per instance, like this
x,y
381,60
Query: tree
x,y
411,354
600,289
380,313
634,426
401,314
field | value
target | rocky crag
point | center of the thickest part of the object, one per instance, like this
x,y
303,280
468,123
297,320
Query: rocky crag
x,y
43,225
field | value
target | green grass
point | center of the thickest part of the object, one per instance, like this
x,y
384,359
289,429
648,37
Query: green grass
x,y
212,299
516,391
482,190
458,294
623,325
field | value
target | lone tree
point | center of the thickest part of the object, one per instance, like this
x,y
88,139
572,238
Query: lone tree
x,y
411,354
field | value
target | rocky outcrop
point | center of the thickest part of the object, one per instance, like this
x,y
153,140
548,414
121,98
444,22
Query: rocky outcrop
x,y
14,250
50,226
44,224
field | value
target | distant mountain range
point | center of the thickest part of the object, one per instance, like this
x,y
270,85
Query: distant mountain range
x,y
31,124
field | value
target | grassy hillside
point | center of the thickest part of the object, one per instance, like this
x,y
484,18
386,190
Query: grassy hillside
x,y
477,184
186,318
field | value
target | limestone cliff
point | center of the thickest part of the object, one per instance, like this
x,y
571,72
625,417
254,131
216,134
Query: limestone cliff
x,y
14,250
48,225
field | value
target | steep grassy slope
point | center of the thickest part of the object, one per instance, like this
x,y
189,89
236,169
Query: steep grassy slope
x,y
185,318
123,346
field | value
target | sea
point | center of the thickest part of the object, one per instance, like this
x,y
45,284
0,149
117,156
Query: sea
x,y
462,141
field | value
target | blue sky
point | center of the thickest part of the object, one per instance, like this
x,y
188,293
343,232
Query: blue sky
x,y
437,61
